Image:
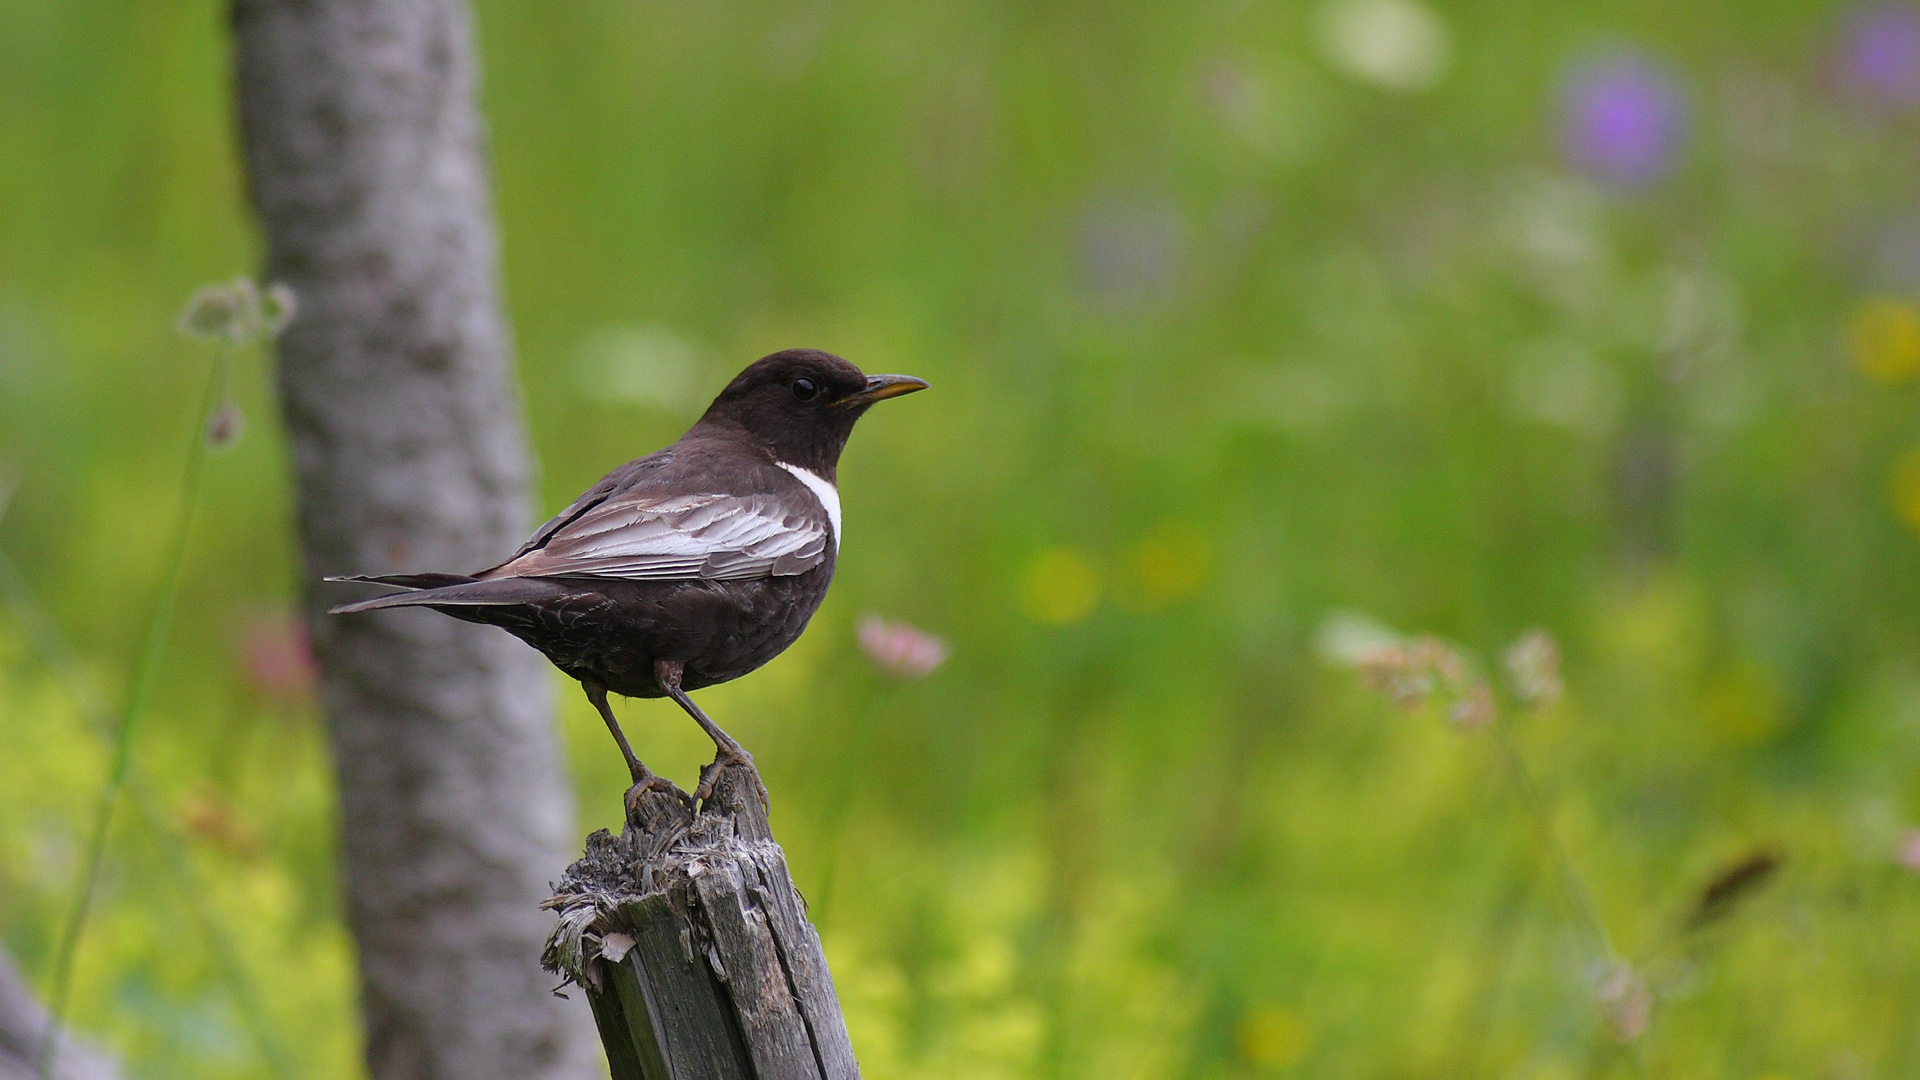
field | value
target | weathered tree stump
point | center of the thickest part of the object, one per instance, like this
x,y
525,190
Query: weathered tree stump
x,y
693,946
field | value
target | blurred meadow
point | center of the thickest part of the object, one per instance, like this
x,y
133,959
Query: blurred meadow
x,y
1265,337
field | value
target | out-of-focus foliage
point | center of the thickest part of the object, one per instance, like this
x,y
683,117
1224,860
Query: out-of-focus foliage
x,y
1473,318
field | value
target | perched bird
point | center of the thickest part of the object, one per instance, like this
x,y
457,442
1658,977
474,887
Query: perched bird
x,y
691,566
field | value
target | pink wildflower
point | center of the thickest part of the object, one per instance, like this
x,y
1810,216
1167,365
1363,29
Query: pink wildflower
x,y
1909,851
1626,1005
899,649
277,656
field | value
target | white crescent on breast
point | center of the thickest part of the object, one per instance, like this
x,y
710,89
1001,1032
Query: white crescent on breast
x,y
828,495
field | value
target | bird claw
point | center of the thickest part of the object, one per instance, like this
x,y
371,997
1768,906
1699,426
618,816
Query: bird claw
x,y
709,774
646,780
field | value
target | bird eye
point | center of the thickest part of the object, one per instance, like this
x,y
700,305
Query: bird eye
x,y
806,389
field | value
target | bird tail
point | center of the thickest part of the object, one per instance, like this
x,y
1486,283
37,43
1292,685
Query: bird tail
x,y
452,590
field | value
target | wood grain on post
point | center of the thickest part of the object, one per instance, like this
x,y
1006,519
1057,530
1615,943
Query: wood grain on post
x,y
693,946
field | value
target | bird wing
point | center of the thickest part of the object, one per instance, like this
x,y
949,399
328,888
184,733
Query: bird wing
x,y
650,536
622,477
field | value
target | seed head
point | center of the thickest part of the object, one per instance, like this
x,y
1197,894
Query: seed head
x,y
278,306
1473,708
1413,673
226,311
1533,665
1625,1003
1409,672
225,425
236,311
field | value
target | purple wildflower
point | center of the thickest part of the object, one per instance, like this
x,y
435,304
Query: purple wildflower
x,y
1623,119
1878,59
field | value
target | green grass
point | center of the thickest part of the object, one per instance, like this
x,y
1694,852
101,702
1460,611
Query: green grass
x,y
1240,340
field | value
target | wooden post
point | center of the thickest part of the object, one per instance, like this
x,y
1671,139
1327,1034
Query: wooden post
x,y
693,946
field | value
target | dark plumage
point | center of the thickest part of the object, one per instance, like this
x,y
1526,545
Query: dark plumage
x,y
693,565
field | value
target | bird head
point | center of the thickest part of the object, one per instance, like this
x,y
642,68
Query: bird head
x,y
802,404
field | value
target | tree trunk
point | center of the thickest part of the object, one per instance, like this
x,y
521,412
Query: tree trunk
x,y
367,163
23,1027
693,946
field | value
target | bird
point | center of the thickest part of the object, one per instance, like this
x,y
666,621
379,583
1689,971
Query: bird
x,y
691,566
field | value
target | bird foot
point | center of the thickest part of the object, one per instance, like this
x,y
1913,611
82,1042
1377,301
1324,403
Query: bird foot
x,y
646,781
709,774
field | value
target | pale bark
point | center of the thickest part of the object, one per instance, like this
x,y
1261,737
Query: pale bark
x,y
367,162
23,1024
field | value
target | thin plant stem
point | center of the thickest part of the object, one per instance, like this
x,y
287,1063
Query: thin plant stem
x,y
1571,883
1501,941
226,958
144,674
1579,897
61,659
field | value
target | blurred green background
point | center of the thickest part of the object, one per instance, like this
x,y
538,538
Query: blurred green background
x,y
1253,326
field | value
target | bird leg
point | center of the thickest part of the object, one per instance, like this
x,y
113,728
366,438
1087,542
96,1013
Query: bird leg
x,y
597,694
668,673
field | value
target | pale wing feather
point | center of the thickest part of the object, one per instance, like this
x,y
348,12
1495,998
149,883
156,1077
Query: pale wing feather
x,y
710,537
